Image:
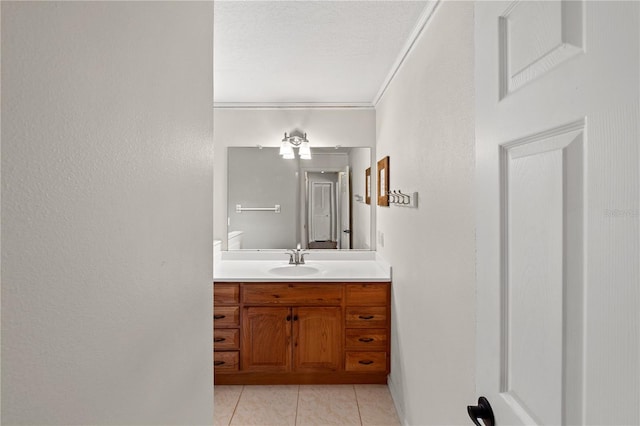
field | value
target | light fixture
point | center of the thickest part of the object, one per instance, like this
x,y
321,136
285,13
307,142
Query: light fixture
x,y
305,151
296,139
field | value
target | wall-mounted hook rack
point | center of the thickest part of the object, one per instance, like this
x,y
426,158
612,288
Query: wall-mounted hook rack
x,y
401,199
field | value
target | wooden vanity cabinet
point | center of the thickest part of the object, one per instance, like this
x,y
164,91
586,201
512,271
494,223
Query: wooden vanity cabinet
x,y
302,333
266,339
317,339
291,339
226,327
367,327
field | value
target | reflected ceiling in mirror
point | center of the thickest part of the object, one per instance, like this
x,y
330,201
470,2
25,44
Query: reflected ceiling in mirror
x,y
276,203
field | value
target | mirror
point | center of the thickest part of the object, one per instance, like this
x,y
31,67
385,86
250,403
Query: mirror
x,y
275,203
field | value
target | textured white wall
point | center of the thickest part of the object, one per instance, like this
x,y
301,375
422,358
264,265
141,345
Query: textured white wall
x,y
106,213
266,127
425,123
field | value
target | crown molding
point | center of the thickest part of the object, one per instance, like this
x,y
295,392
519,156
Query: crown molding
x,y
293,105
423,20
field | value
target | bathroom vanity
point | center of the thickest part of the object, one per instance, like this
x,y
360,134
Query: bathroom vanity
x,y
323,322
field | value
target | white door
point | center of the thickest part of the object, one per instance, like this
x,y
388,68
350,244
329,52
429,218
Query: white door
x,y
557,128
321,207
345,209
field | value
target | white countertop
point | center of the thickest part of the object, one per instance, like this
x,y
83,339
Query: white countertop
x,y
274,266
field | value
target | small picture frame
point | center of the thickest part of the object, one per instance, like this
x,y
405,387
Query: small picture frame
x,y
367,186
383,182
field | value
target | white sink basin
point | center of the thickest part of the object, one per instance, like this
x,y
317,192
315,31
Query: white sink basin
x,y
294,270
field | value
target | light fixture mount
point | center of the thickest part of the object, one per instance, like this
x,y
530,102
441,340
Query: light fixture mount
x,y
296,139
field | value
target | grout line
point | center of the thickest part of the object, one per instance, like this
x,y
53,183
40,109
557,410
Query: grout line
x,y
357,403
295,422
235,408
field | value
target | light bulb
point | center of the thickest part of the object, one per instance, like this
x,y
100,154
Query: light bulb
x,y
286,151
305,151
284,147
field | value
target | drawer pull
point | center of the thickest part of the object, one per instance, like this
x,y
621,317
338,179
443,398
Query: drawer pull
x,y
219,339
218,363
365,362
366,317
366,339
219,316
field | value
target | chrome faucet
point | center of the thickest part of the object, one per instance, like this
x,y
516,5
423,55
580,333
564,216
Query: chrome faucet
x,y
296,257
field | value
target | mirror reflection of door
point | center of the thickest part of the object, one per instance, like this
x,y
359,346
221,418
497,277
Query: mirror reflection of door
x,y
321,211
322,208
344,204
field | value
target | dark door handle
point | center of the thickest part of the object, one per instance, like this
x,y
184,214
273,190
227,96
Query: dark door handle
x,y
216,363
365,362
219,316
347,231
366,317
366,339
481,411
219,339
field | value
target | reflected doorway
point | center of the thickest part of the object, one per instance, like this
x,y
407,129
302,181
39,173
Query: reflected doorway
x,y
328,205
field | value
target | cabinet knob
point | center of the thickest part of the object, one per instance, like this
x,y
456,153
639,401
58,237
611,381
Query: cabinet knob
x,y
219,339
366,339
366,317
219,316
365,362
216,363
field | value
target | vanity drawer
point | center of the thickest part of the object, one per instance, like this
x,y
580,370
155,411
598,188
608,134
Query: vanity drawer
x,y
225,361
292,294
226,293
366,338
367,294
373,317
366,361
226,316
226,338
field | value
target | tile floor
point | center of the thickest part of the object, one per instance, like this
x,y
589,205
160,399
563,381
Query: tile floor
x,y
365,405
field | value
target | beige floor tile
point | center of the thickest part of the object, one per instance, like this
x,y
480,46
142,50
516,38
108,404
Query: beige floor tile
x,y
225,399
376,406
327,405
266,405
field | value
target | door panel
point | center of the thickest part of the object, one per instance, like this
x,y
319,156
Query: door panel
x,y
534,284
535,37
558,232
344,206
541,187
318,338
266,339
321,208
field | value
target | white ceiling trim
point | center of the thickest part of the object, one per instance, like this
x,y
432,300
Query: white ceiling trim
x,y
285,105
423,20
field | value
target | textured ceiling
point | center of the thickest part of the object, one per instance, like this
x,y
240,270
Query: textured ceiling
x,y
308,52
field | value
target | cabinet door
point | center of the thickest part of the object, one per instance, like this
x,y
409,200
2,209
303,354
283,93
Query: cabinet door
x,y
266,339
317,338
